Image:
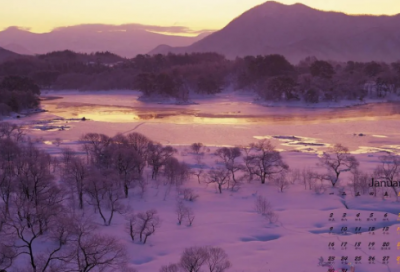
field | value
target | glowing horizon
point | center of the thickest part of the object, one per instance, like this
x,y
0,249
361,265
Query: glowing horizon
x,y
195,15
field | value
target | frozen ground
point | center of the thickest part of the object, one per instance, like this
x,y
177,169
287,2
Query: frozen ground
x,y
294,243
301,236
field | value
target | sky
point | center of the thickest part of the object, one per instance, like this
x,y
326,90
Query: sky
x,y
44,15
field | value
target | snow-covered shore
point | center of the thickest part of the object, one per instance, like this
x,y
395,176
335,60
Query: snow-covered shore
x,y
228,220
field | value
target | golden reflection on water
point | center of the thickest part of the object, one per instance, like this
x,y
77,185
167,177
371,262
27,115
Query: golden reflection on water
x,y
205,115
238,113
109,116
379,136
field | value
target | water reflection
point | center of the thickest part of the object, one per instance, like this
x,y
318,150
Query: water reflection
x,y
379,136
299,143
205,114
232,122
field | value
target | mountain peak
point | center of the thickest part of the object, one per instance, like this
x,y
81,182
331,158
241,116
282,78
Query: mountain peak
x,y
15,29
298,31
273,8
275,4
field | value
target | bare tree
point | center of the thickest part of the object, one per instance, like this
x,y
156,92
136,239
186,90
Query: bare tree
x,y
184,212
218,260
55,163
33,173
67,154
181,211
247,162
219,177
131,225
27,222
360,182
140,144
105,194
272,217
19,134
229,156
170,268
318,182
293,176
281,181
264,161
193,258
310,179
176,173
91,251
8,251
389,171
264,207
129,165
148,222
198,173
143,224
213,258
337,160
10,152
190,216
35,212
96,145
11,131
75,175
305,177
6,129
196,148
35,188
157,157
143,186
189,194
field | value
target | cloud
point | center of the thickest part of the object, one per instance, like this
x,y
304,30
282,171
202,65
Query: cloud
x,y
16,28
134,27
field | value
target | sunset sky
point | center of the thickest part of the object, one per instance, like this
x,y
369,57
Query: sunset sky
x,y
44,15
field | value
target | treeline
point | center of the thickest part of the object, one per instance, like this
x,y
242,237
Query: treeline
x,y
313,81
272,77
18,93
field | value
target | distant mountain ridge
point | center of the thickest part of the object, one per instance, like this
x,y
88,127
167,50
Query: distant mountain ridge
x,y
17,48
7,54
298,31
126,40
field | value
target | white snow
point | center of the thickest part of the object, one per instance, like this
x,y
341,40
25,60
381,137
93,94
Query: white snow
x,y
228,220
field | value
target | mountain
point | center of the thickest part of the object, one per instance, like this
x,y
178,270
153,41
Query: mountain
x,y
125,40
6,55
298,31
17,48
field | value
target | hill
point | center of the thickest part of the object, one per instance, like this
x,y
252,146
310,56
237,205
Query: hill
x,y
6,55
298,31
126,41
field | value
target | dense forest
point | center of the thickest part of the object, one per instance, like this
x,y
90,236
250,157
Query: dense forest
x,y
272,77
18,93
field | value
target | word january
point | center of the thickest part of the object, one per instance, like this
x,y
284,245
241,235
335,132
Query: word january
x,y
376,183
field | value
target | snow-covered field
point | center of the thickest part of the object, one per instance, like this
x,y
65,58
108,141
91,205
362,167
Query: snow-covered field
x,y
228,220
